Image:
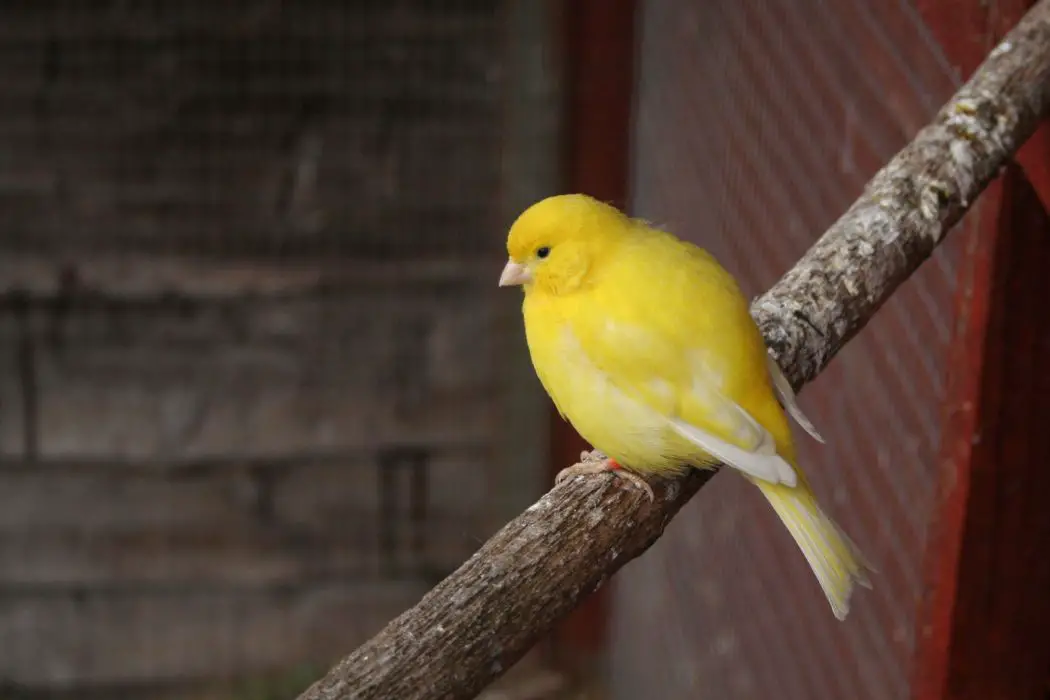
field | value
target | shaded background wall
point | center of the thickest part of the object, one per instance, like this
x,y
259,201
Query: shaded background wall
x,y
258,390
757,125
254,365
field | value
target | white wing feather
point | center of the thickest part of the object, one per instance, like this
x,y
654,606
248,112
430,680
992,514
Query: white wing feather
x,y
755,451
787,398
761,463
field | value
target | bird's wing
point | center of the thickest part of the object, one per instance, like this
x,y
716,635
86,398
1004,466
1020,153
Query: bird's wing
x,y
649,365
787,398
753,452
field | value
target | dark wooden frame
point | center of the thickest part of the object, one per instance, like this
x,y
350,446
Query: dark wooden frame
x,y
598,42
984,624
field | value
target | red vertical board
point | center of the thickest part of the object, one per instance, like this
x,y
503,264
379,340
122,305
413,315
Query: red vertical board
x,y
599,58
983,627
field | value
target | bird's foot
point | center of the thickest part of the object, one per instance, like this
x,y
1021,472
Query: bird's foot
x,y
592,463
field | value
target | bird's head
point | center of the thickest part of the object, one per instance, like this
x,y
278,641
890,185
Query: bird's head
x,y
557,244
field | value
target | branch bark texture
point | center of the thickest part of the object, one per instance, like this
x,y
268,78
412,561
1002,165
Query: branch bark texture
x,y
481,619
910,205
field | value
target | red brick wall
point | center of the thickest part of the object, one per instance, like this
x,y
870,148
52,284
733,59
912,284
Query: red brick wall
x,y
756,125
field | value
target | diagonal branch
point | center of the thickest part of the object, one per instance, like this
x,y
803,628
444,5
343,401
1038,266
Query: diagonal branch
x,y
481,619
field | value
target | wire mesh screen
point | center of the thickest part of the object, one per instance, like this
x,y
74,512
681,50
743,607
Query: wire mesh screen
x,y
757,124
248,375
130,121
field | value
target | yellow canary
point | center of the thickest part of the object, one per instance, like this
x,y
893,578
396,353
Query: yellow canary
x,y
647,347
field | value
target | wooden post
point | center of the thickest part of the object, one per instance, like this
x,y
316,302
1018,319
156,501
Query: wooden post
x,y
984,620
599,66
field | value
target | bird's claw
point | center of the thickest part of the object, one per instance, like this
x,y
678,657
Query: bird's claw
x,y
591,464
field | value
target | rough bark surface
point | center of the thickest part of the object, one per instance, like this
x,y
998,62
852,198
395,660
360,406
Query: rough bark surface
x,y
484,617
909,206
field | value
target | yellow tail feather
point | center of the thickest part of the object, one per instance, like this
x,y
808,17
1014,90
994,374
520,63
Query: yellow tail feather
x,y
835,560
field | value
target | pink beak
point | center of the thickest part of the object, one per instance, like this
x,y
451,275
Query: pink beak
x,y
514,274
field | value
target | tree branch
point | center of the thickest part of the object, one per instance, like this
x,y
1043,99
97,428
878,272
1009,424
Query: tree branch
x,y
480,620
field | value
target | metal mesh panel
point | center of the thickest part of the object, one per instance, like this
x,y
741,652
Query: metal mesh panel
x,y
251,373
130,122
757,124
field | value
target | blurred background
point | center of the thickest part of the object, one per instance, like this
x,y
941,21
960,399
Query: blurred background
x,y
259,390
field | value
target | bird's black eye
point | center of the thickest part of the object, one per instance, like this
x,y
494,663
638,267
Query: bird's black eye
x,y
543,252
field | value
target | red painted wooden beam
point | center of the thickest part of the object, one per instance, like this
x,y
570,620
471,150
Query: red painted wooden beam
x,y
985,619
599,79
1034,158
984,622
